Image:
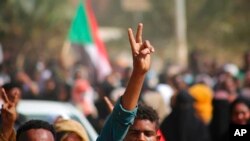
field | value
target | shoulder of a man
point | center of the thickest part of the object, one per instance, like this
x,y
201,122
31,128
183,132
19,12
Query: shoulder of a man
x,y
122,115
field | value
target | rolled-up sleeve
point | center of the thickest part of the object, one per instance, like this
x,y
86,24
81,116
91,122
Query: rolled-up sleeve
x,y
117,124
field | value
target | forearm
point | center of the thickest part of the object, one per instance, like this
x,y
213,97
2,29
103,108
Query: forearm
x,y
133,90
33,87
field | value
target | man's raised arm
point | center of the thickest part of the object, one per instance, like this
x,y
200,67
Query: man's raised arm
x,y
124,112
141,51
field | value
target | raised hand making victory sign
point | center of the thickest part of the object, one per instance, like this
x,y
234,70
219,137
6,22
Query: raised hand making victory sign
x,y
8,115
140,50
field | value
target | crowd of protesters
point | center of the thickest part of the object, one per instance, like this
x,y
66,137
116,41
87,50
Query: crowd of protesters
x,y
194,104
127,120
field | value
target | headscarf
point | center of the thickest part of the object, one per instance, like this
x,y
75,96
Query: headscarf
x,y
203,96
68,125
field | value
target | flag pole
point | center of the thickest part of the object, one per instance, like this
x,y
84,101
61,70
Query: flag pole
x,y
181,35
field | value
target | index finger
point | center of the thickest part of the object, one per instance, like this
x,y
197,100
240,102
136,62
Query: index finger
x,y
131,36
4,96
109,104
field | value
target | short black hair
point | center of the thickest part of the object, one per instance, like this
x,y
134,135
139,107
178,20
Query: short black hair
x,y
146,112
11,85
238,101
35,124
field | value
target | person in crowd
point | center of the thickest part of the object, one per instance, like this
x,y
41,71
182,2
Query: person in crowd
x,y
239,116
226,88
155,100
240,112
150,123
225,92
68,130
203,96
195,62
245,91
83,94
36,130
246,64
29,87
145,126
219,123
13,89
8,117
4,74
51,90
182,124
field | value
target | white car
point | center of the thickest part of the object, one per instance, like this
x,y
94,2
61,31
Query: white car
x,y
49,110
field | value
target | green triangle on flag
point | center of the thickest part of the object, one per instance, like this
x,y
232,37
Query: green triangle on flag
x,y
80,31
86,43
